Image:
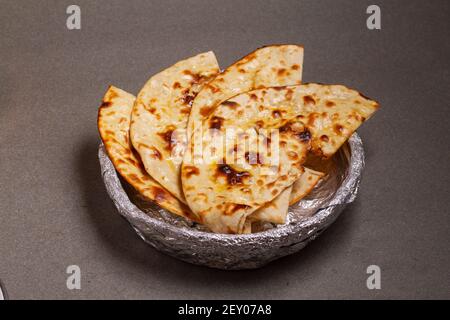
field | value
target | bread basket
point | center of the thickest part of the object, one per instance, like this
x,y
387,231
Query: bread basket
x,y
192,243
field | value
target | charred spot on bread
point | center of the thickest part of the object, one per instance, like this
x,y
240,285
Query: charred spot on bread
x,y
232,176
196,77
259,123
160,194
216,122
309,100
304,135
281,72
253,97
292,155
298,130
205,111
324,138
188,99
289,94
155,153
168,137
105,104
230,104
364,96
231,208
276,113
189,171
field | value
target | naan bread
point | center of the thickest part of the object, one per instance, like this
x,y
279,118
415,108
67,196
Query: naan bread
x,y
243,175
113,124
311,116
222,194
160,115
271,66
331,113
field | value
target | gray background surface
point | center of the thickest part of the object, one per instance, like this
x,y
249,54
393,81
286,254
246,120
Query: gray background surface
x,y
54,210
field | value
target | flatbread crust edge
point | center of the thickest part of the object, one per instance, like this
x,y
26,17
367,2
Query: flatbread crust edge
x,y
114,116
276,210
304,185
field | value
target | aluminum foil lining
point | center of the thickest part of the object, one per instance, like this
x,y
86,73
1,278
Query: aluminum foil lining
x,y
193,243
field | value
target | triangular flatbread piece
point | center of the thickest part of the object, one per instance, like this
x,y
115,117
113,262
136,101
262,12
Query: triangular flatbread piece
x,y
160,116
114,116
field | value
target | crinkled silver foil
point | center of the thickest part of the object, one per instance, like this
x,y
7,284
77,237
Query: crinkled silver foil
x,y
193,243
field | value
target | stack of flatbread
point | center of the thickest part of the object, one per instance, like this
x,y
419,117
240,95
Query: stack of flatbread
x,y
229,148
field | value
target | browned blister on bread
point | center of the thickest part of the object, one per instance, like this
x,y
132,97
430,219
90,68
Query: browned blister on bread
x,y
114,117
332,113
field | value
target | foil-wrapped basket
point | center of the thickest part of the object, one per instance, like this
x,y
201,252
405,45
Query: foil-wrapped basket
x,y
193,243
